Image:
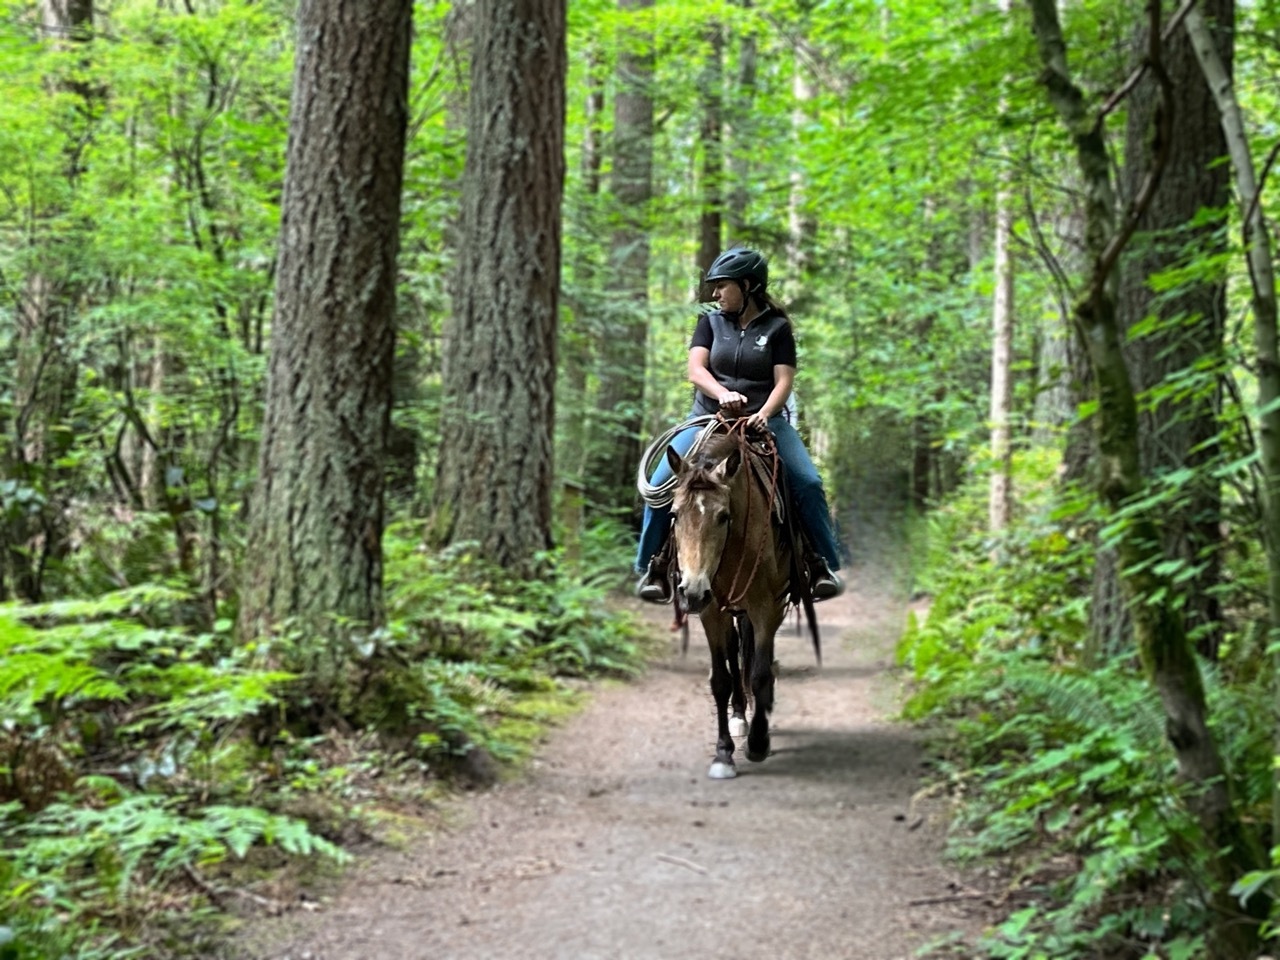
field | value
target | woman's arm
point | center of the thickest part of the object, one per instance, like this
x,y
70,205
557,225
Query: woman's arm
x,y
783,377
700,376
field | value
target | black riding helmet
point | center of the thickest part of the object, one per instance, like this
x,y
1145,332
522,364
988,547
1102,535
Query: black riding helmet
x,y
740,263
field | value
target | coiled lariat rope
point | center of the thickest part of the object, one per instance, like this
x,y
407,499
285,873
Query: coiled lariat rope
x,y
661,495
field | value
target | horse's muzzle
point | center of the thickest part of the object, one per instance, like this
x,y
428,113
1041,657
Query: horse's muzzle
x,y
695,598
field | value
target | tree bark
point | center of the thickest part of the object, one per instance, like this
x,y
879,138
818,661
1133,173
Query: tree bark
x,y
315,541
1158,626
999,493
1001,369
800,222
494,480
741,136
577,344
710,218
616,439
1180,434
1262,278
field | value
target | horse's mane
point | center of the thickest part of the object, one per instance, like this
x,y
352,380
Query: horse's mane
x,y
702,464
708,457
717,447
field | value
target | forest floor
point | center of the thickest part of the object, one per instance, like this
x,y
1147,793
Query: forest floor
x,y
613,843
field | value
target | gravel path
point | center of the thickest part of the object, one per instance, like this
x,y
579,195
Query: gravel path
x,y
616,844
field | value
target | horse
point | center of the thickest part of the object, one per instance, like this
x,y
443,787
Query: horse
x,y
738,569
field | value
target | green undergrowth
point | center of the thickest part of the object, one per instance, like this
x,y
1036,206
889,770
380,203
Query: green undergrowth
x,y
1057,762
153,776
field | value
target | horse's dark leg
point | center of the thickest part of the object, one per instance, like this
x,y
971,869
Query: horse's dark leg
x,y
738,692
762,678
748,640
719,630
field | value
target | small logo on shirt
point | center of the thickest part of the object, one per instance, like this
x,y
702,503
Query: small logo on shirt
x,y
762,341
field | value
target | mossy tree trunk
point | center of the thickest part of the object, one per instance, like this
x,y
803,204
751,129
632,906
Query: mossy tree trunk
x,y
315,540
1206,42
1159,630
494,479
1178,432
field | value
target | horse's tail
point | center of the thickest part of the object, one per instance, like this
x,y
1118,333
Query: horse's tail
x,y
812,617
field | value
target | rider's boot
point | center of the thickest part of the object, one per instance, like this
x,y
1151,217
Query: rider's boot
x,y
655,585
824,582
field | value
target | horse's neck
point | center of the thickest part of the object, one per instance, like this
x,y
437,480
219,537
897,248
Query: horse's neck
x,y
753,529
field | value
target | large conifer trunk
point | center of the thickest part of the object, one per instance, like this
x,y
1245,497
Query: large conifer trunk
x,y
316,525
494,480
1179,434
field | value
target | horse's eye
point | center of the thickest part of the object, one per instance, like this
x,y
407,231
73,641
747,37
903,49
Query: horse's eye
x,y
723,518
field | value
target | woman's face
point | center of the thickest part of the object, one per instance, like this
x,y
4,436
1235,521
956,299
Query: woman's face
x,y
727,295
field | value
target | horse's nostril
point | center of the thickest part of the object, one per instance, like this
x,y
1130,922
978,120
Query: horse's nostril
x,y
695,602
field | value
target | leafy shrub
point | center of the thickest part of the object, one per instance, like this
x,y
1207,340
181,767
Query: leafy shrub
x,y
1060,769
109,715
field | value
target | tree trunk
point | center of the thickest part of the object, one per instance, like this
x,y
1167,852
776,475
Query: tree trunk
x,y
999,498
709,219
573,399
494,481
616,440
315,541
1257,244
800,223
1158,626
1001,368
1180,434
742,136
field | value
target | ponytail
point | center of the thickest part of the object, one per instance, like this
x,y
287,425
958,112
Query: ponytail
x,y
767,303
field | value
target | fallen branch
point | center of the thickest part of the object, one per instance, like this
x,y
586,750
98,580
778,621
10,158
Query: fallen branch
x,y
681,862
219,896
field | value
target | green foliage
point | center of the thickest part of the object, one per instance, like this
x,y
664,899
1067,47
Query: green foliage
x,y
1031,597
463,643
1062,769
126,760
110,718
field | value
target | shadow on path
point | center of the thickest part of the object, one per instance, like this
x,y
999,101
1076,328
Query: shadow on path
x,y
616,845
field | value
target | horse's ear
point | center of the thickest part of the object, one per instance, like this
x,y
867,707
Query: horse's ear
x,y
730,464
673,458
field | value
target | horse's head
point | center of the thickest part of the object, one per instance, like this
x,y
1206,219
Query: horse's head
x,y
702,508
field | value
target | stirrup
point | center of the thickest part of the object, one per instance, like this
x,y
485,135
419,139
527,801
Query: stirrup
x,y
655,585
823,581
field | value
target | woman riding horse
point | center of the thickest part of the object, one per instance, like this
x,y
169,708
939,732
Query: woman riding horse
x,y
736,567
742,361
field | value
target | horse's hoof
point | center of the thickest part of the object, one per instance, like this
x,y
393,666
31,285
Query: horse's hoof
x,y
757,754
720,770
737,726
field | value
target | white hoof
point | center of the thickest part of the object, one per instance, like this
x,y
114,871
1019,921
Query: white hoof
x,y
737,726
722,771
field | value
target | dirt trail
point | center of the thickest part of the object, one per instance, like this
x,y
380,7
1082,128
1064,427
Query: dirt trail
x,y
616,844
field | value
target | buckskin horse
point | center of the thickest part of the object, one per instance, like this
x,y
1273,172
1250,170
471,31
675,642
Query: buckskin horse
x,y
739,570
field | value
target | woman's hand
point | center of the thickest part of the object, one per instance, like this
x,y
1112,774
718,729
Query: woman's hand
x,y
731,404
758,421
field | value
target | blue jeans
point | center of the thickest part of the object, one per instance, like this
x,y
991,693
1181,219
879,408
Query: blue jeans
x,y
802,477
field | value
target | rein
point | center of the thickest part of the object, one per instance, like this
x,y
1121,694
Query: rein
x,y
766,447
